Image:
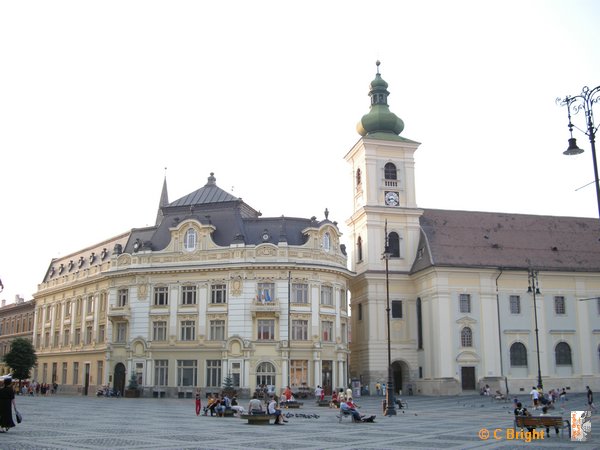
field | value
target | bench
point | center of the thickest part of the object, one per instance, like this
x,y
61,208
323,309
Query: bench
x,y
323,402
228,412
343,414
543,422
258,419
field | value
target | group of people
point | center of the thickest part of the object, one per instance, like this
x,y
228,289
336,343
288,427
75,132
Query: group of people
x,y
540,399
217,405
255,406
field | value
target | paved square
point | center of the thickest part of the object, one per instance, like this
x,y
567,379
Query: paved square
x,y
74,422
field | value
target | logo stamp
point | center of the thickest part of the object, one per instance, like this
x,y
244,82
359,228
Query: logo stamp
x,y
581,425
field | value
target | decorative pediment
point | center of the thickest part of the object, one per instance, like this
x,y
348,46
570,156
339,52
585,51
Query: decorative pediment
x,y
124,260
466,321
266,250
467,357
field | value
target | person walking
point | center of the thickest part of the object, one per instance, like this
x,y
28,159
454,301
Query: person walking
x,y
590,399
7,403
198,402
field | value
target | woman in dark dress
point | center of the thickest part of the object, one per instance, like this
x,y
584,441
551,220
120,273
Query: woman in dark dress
x,y
7,403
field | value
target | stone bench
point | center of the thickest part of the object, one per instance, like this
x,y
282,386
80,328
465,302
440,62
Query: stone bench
x,y
258,419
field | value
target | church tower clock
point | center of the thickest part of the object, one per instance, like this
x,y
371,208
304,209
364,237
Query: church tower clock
x,y
383,173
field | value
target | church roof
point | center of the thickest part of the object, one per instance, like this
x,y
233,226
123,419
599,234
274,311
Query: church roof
x,y
209,193
509,241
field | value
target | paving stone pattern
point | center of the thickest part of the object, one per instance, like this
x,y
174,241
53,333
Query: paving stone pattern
x,y
74,422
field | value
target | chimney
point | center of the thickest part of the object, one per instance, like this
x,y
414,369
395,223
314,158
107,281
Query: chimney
x,y
3,303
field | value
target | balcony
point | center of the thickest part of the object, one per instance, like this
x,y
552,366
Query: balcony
x,y
119,312
264,306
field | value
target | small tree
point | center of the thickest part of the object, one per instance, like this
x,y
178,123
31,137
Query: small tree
x,y
21,359
133,383
228,388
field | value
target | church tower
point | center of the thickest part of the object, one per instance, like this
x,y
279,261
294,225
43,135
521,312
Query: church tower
x,y
383,173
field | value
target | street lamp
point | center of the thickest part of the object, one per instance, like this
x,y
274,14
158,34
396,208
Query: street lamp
x,y
583,102
390,408
534,289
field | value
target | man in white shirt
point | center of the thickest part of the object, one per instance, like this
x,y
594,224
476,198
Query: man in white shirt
x,y
274,410
535,397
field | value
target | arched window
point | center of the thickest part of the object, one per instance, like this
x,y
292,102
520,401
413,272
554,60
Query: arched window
x,y
265,374
359,255
394,244
518,355
466,337
389,172
189,242
562,353
358,177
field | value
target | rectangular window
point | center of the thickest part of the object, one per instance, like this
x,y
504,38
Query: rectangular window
x,y
103,302
75,373
559,305
121,336
159,330
56,339
515,304
188,295
299,330
327,295
598,305
88,334
68,309
218,293
100,373
396,309
139,372
64,373
187,372
465,303
161,296
213,373
90,305
298,372
66,337
360,314
327,330
45,373
266,329
344,334
77,336
344,300
217,330
265,292
188,330
101,334
47,339
161,372
300,293
122,297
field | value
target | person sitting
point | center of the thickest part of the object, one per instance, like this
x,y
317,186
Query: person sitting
x,y
238,410
209,402
334,400
255,406
350,406
214,405
545,413
520,410
274,410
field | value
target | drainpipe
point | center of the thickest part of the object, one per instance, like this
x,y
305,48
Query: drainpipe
x,y
500,334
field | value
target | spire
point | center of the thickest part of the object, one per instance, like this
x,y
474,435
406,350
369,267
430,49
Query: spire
x,y
164,201
379,119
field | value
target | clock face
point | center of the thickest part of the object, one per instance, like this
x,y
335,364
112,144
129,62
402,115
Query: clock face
x,y
265,236
391,199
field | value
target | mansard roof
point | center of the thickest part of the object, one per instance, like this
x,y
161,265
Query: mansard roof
x,y
509,241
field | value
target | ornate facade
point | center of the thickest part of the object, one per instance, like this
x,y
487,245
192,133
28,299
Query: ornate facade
x,y
213,290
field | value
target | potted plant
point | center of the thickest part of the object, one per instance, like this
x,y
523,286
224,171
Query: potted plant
x,y
133,388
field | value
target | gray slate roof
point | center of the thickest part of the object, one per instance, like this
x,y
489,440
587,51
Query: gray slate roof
x,y
494,240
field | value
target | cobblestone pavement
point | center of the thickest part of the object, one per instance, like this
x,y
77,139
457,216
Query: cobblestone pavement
x,y
74,422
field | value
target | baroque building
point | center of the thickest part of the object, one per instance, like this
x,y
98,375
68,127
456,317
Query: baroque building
x,y
212,290
457,282
16,321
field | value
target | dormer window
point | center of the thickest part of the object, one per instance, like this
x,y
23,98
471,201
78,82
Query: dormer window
x,y
326,242
189,242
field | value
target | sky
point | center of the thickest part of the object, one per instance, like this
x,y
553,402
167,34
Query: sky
x,y
100,100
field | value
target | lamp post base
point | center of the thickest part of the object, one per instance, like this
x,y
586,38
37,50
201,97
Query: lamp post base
x,y
390,402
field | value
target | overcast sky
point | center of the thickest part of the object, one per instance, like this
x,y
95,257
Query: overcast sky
x,y
98,97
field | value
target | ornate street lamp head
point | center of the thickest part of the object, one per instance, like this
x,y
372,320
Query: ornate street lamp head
x,y
573,149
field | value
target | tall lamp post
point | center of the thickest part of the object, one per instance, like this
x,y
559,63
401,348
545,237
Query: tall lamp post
x,y
390,408
534,289
583,102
